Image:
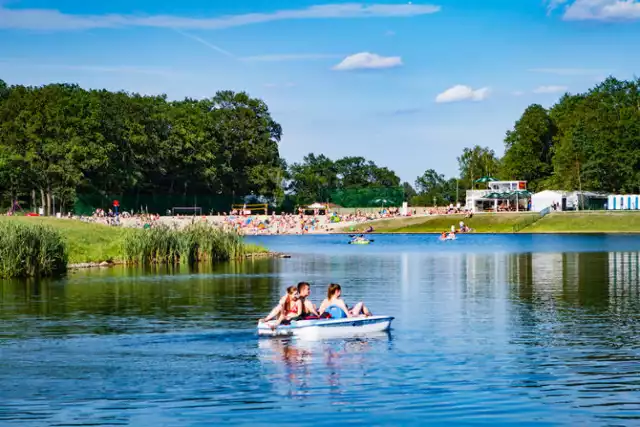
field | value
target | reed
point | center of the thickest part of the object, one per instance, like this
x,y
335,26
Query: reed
x,y
195,243
31,250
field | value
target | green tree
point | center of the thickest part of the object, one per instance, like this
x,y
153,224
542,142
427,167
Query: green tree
x,y
313,179
477,162
434,187
529,148
59,140
598,142
4,90
316,178
409,191
357,172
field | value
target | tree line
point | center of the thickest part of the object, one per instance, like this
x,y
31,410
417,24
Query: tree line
x,y
587,141
60,140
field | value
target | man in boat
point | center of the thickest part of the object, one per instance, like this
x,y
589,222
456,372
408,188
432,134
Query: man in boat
x,y
308,308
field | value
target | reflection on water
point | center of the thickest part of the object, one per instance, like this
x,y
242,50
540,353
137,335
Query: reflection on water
x,y
132,300
338,364
502,337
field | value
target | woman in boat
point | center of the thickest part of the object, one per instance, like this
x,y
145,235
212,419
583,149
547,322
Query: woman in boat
x,y
288,307
337,308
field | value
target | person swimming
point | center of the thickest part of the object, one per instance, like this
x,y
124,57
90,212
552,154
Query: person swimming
x,y
337,308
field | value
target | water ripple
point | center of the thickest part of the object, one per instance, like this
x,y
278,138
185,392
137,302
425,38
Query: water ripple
x,y
479,339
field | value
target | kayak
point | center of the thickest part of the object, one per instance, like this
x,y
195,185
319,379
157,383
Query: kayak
x,y
360,242
328,327
448,238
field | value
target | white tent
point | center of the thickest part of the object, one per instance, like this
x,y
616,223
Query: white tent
x,y
316,206
545,199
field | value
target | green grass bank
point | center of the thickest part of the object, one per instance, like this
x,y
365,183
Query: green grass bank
x,y
561,222
39,241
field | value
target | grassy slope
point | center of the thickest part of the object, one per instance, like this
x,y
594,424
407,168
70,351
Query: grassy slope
x,y
92,242
567,222
485,223
597,222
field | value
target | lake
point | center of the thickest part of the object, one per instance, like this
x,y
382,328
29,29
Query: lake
x,y
489,330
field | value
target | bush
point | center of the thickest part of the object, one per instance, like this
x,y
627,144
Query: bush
x,y
31,250
196,243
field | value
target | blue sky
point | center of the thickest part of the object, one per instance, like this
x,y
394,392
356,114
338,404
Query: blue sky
x,y
406,84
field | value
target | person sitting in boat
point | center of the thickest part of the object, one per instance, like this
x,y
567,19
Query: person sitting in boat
x,y
288,307
308,308
337,308
443,235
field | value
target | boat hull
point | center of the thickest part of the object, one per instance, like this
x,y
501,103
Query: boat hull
x,y
319,328
361,242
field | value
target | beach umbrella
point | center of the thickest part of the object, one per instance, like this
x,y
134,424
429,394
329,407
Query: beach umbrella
x,y
520,194
485,179
382,201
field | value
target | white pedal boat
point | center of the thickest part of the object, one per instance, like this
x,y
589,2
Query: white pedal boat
x,y
352,326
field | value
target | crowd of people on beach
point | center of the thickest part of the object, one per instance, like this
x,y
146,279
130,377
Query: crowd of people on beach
x,y
243,222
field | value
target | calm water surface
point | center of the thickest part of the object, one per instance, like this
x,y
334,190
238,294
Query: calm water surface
x,y
489,330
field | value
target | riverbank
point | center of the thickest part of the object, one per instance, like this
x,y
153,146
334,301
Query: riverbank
x,y
560,222
92,245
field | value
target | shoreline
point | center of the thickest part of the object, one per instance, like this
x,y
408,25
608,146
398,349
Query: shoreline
x,y
107,264
351,233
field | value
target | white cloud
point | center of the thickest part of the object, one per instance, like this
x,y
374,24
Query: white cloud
x,y
550,89
569,71
554,4
366,60
289,57
600,10
52,19
463,93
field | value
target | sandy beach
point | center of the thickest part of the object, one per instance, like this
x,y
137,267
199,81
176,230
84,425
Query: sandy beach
x,y
261,224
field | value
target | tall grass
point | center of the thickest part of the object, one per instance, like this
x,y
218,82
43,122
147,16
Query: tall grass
x,y
198,242
31,250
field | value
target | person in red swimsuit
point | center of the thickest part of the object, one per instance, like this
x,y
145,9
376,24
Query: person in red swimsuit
x,y
292,306
288,308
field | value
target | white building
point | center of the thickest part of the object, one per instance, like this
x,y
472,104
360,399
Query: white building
x,y
623,202
547,198
478,200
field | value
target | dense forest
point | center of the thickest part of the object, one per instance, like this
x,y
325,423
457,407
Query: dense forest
x,y
59,141
589,141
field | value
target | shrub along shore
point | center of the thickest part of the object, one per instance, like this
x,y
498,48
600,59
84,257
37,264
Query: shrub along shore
x,y
47,246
